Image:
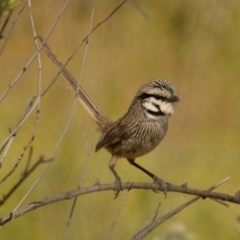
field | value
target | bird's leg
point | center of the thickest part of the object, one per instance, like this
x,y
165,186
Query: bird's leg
x,y
111,165
157,180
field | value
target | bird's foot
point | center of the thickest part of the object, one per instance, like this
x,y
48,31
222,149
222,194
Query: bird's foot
x,y
162,184
118,186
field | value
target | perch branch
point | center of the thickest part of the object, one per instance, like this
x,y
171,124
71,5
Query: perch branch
x,y
129,185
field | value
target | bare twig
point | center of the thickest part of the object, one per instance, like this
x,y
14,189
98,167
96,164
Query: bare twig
x,y
81,43
156,222
39,88
15,80
24,176
37,113
75,199
117,215
156,212
52,157
90,149
5,23
220,202
112,187
13,25
13,133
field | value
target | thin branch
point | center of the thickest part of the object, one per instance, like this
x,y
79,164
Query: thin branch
x,y
37,112
90,149
24,176
27,65
220,202
52,157
156,222
5,23
156,212
13,25
32,138
85,39
75,199
39,88
117,215
26,112
13,133
5,148
113,187
15,80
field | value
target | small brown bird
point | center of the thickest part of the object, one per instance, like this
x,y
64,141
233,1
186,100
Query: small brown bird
x,y
140,130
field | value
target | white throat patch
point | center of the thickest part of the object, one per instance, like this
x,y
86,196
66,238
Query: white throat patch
x,y
167,108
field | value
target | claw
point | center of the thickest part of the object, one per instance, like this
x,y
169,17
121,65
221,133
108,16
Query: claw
x,y
118,187
162,184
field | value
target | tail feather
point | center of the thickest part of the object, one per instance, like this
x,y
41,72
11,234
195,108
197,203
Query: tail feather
x,y
102,121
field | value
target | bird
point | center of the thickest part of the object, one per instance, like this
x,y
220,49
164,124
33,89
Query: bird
x,y
139,130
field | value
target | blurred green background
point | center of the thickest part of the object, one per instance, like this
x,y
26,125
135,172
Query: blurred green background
x,y
193,44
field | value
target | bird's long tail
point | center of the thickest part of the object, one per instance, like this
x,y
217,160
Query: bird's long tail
x,y
102,121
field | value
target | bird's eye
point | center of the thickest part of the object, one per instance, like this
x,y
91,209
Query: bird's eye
x,y
158,97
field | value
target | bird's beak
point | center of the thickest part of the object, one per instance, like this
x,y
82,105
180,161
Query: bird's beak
x,y
174,98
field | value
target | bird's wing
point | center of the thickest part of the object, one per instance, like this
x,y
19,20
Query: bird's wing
x,y
117,132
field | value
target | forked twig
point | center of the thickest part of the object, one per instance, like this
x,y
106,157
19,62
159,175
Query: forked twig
x,y
37,112
81,43
26,173
156,222
5,145
30,61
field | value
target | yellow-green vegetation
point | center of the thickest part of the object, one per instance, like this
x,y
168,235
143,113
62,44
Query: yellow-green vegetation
x,y
7,5
193,44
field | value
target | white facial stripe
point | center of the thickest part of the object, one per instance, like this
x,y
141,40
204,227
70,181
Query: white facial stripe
x,y
152,104
167,108
149,106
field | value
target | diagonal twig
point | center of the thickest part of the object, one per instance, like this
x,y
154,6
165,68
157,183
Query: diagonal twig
x,y
117,215
24,176
156,222
30,61
85,39
90,149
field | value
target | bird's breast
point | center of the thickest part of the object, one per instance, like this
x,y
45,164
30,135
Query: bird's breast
x,y
140,140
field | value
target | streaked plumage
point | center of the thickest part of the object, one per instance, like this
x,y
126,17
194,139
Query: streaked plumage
x,y
140,130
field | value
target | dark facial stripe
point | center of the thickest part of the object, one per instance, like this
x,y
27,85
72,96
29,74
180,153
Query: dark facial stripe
x,y
173,98
155,105
146,95
159,113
